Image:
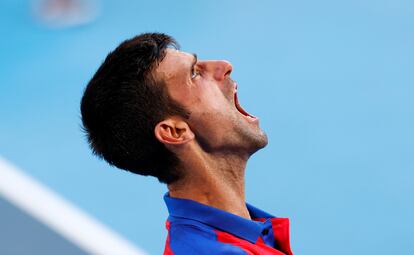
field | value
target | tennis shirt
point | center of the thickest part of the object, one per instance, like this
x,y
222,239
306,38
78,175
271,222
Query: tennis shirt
x,y
198,229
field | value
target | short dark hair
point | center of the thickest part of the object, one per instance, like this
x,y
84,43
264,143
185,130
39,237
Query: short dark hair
x,y
122,104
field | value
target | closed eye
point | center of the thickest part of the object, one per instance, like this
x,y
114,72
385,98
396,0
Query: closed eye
x,y
194,73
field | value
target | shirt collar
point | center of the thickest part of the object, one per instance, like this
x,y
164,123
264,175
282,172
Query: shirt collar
x,y
249,230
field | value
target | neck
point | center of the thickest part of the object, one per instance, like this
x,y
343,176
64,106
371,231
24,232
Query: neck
x,y
215,180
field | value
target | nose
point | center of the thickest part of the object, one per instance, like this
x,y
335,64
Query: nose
x,y
220,69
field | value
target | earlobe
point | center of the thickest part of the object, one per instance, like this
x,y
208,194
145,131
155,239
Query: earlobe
x,y
173,132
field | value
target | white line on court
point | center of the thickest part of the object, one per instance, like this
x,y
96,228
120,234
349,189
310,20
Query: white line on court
x,y
66,219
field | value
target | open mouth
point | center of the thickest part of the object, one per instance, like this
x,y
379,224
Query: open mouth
x,y
240,109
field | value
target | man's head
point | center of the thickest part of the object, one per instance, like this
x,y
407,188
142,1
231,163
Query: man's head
x,y
148,100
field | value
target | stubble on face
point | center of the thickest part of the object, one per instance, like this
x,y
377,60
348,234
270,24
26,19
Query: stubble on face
x,y
217,124
225,130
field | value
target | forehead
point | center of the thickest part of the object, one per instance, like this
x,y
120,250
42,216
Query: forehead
x,y
174,63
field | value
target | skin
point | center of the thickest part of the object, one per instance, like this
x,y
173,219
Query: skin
x,y
214,144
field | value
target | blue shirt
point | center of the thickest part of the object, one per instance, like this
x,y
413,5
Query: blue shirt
x,y
195,228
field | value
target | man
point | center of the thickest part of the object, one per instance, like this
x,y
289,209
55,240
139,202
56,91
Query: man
x,y
154,110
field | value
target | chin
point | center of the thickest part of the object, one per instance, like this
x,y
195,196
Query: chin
x,y
258,142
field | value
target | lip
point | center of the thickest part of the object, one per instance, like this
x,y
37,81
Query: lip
x,y
250,118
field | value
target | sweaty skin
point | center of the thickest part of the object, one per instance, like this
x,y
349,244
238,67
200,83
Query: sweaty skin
x,y
214,144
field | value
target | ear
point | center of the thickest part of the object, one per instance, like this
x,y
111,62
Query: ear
x,y
173,131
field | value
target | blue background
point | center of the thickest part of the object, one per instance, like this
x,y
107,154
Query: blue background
x,y
332,82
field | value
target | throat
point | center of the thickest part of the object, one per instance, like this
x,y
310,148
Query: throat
x,y
220,185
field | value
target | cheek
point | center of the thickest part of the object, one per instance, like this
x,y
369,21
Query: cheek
x,y
213,125
214,101
181,94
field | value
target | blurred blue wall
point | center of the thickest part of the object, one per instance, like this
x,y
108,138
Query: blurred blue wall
x,y
332,82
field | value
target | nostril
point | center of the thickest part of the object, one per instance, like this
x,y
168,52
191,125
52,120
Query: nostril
x,y
228,67
222,68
